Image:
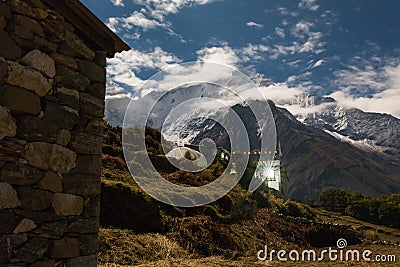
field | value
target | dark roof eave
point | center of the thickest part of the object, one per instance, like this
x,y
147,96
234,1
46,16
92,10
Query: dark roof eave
x,y
93,30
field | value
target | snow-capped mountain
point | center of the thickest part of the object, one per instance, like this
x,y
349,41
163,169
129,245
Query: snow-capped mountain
x,y
321,149
371,131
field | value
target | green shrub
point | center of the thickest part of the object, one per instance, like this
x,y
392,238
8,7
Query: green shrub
x,y
298,210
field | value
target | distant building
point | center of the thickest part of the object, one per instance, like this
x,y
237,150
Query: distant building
x,y
271,172
274,175
277,179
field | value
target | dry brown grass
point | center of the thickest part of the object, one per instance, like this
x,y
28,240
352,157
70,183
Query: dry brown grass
x,y
371,231
209,261
127,248
252,261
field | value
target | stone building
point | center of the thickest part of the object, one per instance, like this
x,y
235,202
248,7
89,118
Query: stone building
x,y
52,87
277,179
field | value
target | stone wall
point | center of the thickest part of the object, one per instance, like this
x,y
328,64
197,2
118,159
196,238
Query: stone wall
x,y
52,88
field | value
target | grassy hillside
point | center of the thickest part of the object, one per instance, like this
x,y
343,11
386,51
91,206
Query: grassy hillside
x,y
137,229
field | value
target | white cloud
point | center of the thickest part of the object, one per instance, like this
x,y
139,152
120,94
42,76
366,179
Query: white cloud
x,y
385,102
313,44
280,92
137,19
123,66
360,80
223,55
308,41
253,52
280,32
118,2
159,9
113,88
309,4
135,35
317,64
299,110
312,40
370,89
292,79
283,11
152,15
254,24
302,29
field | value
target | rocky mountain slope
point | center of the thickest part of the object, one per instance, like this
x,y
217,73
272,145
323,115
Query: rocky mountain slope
x,y
369,131
330,147
315,160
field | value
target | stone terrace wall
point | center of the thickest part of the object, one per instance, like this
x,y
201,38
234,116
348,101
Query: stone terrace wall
x,y
52,88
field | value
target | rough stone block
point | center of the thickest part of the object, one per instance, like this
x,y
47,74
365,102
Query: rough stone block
x,y
101,58
93,71
36,3
54,29
67,205
53,230
93,127
20,101
28,78
38,217
8,48
41,62
86,261
44,45
8,197
8,221
88,244
18,31
48,156
40,13
65,248
14,264
64,137
80,184
3,22
84,143
8,125
34,129
3,69
10,149
92,207
63,116
71,78
74,46
5,249
51,182
34,199
24,44
48,263
17,240
30,24
20,174
97,89
5,10
89,164
68,97
65,60
22,7
84,226
92,106
24,226
33,250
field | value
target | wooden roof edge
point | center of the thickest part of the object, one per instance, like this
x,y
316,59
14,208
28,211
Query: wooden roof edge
x,y
94,31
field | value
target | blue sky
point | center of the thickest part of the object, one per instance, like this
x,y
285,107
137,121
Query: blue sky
x,y
347,49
